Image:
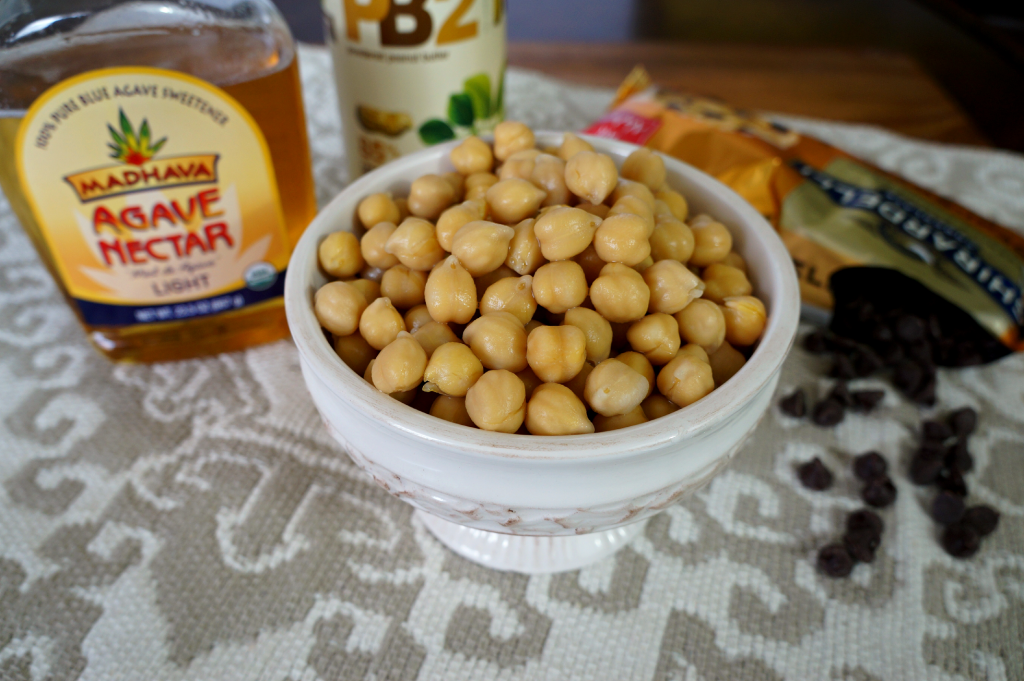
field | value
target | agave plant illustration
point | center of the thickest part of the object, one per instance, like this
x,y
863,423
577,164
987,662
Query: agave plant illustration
x,y
131,148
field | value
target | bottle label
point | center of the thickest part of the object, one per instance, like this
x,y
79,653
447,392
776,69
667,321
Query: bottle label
x,y
156,195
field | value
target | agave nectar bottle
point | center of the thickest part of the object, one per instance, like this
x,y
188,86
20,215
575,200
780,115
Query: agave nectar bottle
x,y
155,152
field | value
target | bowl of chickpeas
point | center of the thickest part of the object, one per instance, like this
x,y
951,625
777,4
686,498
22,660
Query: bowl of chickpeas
x,y
541,340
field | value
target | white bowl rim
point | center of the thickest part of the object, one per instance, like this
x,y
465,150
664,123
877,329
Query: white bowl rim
x,y
772,349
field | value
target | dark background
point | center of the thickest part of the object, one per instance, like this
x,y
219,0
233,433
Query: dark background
x,y
973,48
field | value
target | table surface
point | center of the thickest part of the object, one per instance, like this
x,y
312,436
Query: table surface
x,y
882,88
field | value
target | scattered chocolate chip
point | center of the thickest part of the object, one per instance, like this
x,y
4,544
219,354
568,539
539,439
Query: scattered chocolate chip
x,y
931,450
815,342
959,458
835,561
864,520
840,344
867,400
963,421
924,471
866,362
926,393
843,368
910,329
869,466
828,412
891,353
922,353
814,475
795,405
861,545
960,540
881,333
879,492
966,355
936,431
947,508
907,376
982,518
841,393
951,480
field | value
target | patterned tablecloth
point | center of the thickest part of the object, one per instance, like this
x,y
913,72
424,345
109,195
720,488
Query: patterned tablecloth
x,y
195,521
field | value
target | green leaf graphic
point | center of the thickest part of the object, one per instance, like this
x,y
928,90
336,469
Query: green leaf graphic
x,y
478,88
460,110
499,102
435,131
126,127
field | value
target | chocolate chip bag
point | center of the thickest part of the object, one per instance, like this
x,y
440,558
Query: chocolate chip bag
x,y
837,213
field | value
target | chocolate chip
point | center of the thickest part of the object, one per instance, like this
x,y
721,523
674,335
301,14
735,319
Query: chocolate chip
x,y
880,333
908,376
951,480
816,343
924,471
925,395
795,405
867,400
837,343
983,519
922,352
936,431
843,368
947,508
891,353
910,329
814,475
879,492
931,450
835,561
828,412
864,520
966,355
960,540
869,466
959,458
866,362
861,544
841,393
963,421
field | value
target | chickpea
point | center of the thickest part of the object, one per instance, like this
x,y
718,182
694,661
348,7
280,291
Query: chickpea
x,y
524,254
403,286
675,201
634,205
553,409
572,145
338,306
378,208
578,384
510,137
591,176
620,293
531,325
596,330
722,281
558,286
591,263
694,350
510,295
640,364
429,196
450,292
355,352
472,155
703,323
644,265
556,353
549,174
745,319
519,164
671,240
483,283
372,273
417,317
634,417
734,259
646,167
499,340
339,255
564,232
656,336
452,370
657,405
725,362
452,409
662,209
453,219
685,380
711,241
530,380
405,397
433,335
415,245
514,200
630,188
458,184
497,402
672,286
368,287
373,243
381,323
402,204
477,185
482,246
400,365
622,238
613,388
600,210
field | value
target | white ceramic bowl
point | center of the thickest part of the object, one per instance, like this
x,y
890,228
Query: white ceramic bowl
x,y
532,503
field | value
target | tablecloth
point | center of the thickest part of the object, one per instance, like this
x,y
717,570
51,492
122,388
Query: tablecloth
x,y
194,520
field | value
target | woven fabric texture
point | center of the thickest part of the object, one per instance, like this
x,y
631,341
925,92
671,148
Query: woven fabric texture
x,y
195,521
